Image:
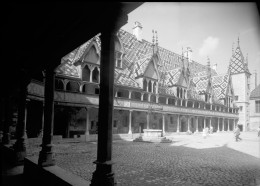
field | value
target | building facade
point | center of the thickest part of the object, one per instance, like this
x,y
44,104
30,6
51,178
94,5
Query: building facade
x,y
238,68
154,89
255,108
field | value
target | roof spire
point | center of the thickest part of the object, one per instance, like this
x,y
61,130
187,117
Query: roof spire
x,y
156,38
182,58
232,48
238,41
208,66
153,37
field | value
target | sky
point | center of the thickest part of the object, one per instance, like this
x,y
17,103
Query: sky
x,y
210,29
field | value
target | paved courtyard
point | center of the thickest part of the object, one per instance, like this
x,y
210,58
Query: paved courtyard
x,y
189,160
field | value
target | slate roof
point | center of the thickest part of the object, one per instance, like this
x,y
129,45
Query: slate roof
x,y
237,62
136,58
255,93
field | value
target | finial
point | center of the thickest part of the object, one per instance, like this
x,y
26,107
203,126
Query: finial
x,y
156,37
233,48
208,61
153,37
238,41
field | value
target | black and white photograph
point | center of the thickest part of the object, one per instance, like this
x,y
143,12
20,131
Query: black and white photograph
x,y
130,94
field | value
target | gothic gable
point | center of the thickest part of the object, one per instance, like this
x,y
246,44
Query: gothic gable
x,y
151,71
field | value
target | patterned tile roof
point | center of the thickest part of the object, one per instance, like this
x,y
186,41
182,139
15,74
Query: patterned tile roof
x,y
201,83
220,84
255,93
136,58
237,62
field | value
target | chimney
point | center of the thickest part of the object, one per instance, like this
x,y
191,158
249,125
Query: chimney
x,y
214,67
137,31
188,54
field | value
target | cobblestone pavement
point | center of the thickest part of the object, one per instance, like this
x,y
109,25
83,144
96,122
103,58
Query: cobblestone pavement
x,y
189,160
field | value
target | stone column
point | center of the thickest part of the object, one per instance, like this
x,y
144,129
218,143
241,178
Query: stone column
x,y
130,122
223,123
152,86
228,125
210,122
87,123
197,124
104,175
149,97
130,93
142,96
91,68
157,99
178,123
218,125
204,122
186,103
193,104
20,144
188,124
234,124
163,124
46,154
157,87
148,119
147,87
167,99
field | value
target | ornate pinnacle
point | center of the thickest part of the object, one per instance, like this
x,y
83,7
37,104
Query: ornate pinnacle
x,y
153,37
156,37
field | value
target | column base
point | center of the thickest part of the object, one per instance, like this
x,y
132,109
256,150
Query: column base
x,y
46,156
20,151
130,132
103,174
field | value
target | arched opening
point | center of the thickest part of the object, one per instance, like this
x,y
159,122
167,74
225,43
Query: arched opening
x,y
136,95
178,92
150,86
144,85
58,84
181,93
145,97
153,98
86,73
162,100
154,87
95,75
72,86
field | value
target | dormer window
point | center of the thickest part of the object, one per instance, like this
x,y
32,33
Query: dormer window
x,y
119,59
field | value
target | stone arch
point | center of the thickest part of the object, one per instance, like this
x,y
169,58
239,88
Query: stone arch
x,y
86,73
72,86
95,75
149,86
183,124
144,85
59,85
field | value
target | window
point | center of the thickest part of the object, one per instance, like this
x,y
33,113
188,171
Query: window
x,y
236,98
119,61
257,106
241,108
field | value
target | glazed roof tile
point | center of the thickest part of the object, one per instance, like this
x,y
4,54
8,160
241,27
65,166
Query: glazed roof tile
x,y
237,62
136,58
